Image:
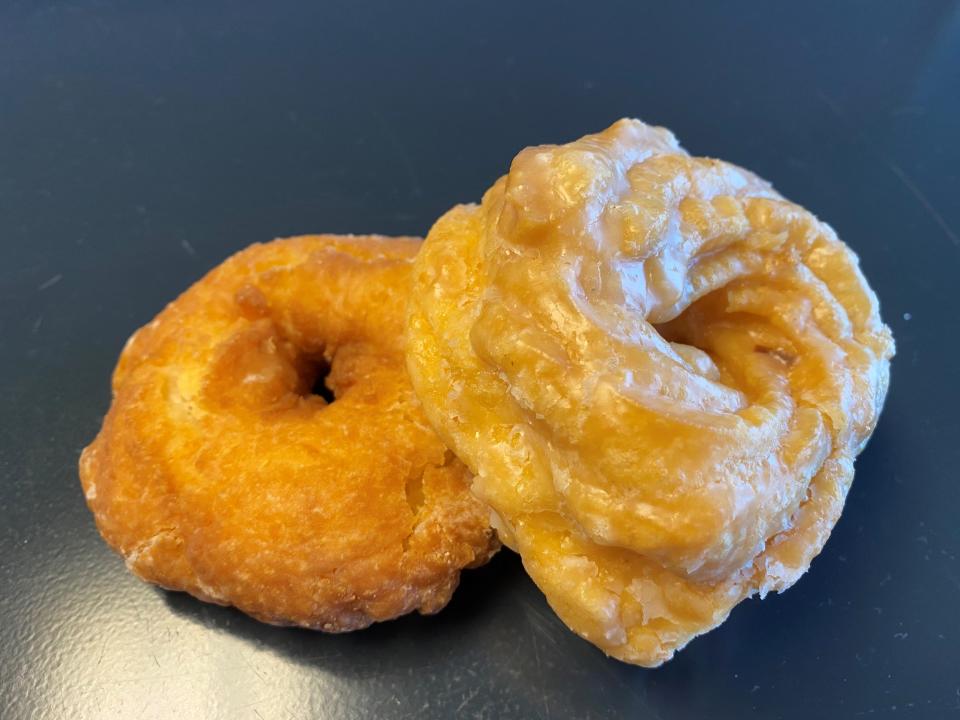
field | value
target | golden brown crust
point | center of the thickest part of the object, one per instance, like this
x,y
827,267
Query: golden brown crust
x,y
660,371
217,471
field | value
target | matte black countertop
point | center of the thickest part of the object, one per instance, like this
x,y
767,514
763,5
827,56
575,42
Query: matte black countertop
x,y
141,143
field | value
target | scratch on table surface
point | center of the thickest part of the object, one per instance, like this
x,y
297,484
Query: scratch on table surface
x,y
893,167
404,156
541,622
175,675
252,704
103,649
544,695
185,244
36,325
249,664
466,700
922,199
913,109
50,282
832,104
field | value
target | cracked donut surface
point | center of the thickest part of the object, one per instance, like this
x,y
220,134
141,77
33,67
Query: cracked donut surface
x,y
219,472
659,370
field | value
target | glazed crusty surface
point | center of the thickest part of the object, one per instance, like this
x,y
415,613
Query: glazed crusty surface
x,y
218,471
659,370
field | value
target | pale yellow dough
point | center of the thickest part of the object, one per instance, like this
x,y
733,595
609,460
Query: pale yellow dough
x,y
660,371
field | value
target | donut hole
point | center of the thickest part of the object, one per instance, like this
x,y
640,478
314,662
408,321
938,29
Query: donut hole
x,y
697,359
320,386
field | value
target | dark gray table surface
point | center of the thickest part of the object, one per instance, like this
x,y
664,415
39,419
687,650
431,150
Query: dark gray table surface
x,y
141,143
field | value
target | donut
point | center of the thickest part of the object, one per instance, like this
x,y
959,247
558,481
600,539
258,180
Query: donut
x,y
222,469
660,371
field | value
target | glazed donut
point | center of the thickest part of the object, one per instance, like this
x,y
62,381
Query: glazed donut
x,y
219,472
660,372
